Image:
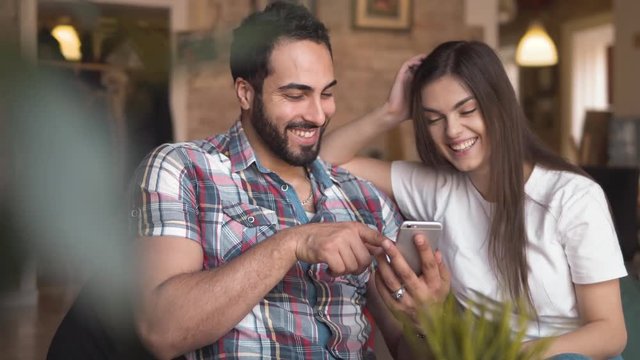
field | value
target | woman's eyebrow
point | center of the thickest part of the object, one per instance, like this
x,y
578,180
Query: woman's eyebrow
x,y
457,105
462,102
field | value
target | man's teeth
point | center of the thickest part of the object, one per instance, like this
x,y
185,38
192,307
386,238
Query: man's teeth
x,y
303,133
463,145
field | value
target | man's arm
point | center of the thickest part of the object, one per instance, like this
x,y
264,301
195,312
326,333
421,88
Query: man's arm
x,y
181,308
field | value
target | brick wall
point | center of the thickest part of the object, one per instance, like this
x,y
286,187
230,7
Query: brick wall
x,y
365,65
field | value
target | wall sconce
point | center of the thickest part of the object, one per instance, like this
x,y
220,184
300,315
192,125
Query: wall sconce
x,y
69,41
536,47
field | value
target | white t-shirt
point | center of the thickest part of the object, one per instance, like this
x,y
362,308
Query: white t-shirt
x,y
571,238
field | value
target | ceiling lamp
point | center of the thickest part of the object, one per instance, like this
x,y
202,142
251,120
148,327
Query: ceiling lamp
x,y
69,42
536,47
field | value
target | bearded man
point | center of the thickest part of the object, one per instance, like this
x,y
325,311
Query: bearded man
x,y
249,245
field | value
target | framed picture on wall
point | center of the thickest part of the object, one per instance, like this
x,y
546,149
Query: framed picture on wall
x,y
382,14
309,4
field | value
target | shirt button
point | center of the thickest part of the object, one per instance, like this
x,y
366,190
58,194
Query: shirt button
x,y
320,313
134,213
251,219
284,187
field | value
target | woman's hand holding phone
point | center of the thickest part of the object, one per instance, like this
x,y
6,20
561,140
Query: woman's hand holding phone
x,y
432,285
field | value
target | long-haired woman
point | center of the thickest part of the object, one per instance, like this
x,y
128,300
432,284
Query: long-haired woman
x,y
520,222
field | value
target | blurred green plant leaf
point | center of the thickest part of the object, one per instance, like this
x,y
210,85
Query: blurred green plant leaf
x,y
454,332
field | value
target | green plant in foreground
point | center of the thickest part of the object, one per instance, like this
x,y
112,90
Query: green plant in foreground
x,y
459,334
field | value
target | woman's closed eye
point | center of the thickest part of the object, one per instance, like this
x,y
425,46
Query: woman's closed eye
x,y
466,112
434,119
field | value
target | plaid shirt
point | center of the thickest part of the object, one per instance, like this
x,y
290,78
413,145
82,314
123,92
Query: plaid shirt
x,y
215,192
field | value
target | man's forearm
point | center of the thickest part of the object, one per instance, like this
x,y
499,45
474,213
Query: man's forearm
x,y
192,310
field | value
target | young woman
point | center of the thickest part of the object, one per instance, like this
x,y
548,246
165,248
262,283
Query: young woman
x,y
519,221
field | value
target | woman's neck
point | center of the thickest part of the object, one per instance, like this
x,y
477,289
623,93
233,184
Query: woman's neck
x,y
481,180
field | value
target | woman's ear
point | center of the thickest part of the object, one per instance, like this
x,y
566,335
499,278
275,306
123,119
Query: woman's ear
x,y
245,93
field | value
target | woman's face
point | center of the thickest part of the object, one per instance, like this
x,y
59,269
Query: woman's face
x,y
456,125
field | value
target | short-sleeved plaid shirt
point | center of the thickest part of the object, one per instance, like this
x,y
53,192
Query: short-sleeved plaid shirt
x,y
215,192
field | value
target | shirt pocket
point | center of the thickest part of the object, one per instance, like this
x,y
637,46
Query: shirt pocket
x,y
244,226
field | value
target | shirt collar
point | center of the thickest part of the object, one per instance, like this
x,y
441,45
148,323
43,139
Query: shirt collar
x,y
241,153
241,156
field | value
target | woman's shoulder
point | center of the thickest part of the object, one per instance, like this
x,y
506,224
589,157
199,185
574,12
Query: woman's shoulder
x,y
552,187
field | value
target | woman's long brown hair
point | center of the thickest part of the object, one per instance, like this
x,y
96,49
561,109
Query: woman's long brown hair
x,y
511,141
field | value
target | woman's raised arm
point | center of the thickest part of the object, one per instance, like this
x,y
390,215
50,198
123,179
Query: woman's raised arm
x,y
341,145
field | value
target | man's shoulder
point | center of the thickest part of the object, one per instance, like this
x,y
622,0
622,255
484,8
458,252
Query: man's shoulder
x,y
350,182
375,208
342,176
206,153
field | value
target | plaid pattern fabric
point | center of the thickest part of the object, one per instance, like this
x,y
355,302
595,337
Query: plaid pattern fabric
x,y
215,192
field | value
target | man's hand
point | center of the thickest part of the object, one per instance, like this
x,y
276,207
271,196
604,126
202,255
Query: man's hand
x,y
346,247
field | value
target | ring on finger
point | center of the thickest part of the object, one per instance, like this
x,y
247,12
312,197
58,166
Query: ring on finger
x,y
398,294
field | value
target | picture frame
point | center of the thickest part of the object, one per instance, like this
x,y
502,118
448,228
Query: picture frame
x,y
259,5
382,14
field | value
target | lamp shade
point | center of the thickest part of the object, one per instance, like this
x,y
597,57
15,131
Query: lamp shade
x,y
69,41
536,47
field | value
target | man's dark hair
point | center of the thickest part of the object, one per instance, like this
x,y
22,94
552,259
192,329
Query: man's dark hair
x,y
254,40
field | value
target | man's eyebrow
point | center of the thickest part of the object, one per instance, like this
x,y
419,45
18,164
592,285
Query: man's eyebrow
x,y
331,84
457,105
295,86
303,87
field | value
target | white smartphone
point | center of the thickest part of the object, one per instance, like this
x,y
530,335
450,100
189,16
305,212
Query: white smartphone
x,y
405,244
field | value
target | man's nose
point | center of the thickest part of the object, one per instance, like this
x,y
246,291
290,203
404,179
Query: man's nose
x,y
315,112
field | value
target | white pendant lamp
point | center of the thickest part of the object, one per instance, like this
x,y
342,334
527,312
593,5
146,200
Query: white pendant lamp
x,y
69,41
536,47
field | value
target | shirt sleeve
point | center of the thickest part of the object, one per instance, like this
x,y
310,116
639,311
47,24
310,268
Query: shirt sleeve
x,y
418,189
589,237
163,195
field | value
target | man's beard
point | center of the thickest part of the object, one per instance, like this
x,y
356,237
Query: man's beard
x,y
278,142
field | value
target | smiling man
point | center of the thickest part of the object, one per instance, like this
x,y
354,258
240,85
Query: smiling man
x,y
249,245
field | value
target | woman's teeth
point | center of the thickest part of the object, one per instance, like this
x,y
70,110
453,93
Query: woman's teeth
x,y
465,145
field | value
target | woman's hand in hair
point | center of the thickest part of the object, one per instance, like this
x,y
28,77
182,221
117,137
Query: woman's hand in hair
x,y
397,108
432,286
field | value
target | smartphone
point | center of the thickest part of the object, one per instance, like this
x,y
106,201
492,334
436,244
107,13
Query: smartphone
x,y
405,243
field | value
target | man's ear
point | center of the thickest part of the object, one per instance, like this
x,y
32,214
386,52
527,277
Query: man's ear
x,y
245,93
